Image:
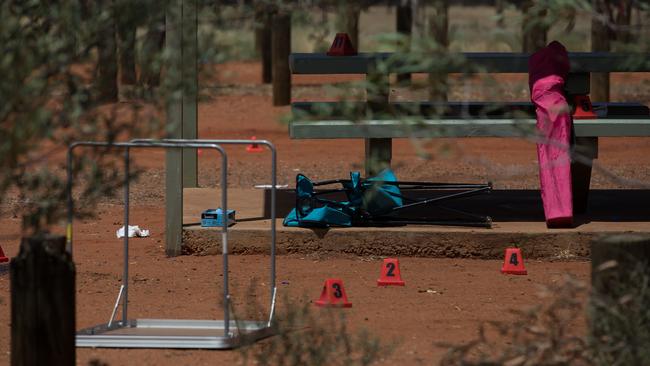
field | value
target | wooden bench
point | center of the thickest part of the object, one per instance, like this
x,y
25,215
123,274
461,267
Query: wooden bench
x,y
469,119
614,120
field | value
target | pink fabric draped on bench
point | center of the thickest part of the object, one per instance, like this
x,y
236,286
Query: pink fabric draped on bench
x,y
548,69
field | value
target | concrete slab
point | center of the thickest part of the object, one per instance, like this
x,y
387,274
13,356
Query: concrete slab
x,y
517,215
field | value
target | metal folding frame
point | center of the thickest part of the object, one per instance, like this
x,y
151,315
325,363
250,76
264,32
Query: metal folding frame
x,y
461,190
175,333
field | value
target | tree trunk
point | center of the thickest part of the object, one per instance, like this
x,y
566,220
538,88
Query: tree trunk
x,y
439,23
601,34
281,42
126,33
42,303
533,27
107,89
404,25
499,7
258,24
351,15
263,36
151,51
624,32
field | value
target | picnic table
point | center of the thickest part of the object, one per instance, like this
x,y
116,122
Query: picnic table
x,y
468,119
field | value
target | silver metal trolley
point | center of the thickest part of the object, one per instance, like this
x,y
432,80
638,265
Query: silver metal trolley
x,y
176,333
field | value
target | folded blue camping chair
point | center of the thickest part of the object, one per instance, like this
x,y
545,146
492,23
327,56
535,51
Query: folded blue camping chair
x,y
380,201
311,211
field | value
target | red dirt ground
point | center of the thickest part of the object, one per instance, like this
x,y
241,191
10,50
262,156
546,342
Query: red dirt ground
x,y
468,291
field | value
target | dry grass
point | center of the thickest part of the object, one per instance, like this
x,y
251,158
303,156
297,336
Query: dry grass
x,y
554,332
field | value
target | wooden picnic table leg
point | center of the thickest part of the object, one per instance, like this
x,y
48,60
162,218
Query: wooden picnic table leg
x,y
585,151
281,49
404,26
378,155
378,150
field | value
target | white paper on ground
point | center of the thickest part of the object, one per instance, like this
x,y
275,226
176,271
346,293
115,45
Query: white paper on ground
x,y
133,232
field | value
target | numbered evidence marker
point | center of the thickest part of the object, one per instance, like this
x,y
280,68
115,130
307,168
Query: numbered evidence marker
x,y
333,294
390,273
513,262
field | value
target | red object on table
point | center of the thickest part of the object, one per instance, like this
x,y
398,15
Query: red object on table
x,y
584,109
342,46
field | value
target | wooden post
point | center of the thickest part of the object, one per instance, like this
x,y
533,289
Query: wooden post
x,y
404,25
174,157
586,148
439,23
281,43
107,89
181,165
378,151
585,151
42,303
190,82
263,17
601,35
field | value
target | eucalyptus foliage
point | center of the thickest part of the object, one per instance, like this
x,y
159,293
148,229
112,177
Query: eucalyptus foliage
x,y
50,98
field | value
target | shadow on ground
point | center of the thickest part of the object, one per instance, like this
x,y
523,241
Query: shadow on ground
x,y
611,205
